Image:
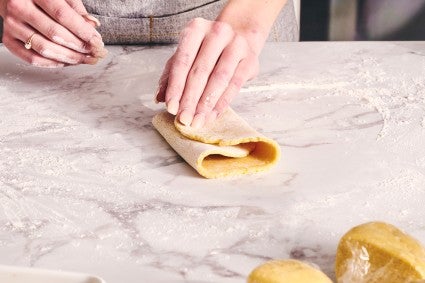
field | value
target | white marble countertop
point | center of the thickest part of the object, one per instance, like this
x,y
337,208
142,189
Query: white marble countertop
x,y
88,185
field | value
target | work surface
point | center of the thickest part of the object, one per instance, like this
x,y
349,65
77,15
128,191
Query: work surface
x,y
87,184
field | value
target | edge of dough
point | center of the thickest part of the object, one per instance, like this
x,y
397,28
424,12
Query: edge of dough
x,y
236,153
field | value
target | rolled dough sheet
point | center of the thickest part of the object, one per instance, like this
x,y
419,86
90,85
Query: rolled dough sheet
x,y
227,147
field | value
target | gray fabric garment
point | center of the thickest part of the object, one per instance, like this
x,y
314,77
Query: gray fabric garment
x,y
161,21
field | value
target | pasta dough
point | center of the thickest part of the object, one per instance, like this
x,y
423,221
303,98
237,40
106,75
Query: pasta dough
x,y
287,271
227,147
377,252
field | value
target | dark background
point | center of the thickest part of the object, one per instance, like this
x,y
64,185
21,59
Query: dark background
x,y
315,22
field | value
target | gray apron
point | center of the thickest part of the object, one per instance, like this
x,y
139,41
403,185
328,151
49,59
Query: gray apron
x,y
161,21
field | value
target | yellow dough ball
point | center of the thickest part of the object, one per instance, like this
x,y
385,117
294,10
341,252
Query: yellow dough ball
x,y
379,252
287,271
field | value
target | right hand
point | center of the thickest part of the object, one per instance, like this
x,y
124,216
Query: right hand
x,y
64,33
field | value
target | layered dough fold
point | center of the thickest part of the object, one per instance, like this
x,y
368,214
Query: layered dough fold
x,y
227,147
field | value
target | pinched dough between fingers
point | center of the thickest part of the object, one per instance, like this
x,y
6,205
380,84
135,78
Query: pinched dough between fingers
x,y
45,47
65,15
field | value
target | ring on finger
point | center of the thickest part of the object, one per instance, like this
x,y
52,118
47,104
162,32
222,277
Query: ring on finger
x,y
28,43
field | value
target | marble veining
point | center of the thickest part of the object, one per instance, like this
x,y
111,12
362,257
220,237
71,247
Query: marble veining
x,y
88,185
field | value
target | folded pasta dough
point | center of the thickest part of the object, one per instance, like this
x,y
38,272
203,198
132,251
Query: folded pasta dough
x,y
226,147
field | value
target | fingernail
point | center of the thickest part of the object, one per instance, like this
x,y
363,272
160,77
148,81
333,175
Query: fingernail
x,y
90,60
96,42
97,33
93,19
198,120
173,107
100,53
185,118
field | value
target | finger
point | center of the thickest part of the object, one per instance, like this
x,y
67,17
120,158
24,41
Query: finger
x,y
163,82
93,21
56,52
190,42
62,12
45,25
214,43
48,49
246,70
219,79
78,6
16,47
60,35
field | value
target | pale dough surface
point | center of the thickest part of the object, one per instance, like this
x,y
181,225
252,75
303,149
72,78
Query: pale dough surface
x,y
227,147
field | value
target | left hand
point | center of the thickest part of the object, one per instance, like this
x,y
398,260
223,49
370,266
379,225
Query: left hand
x,y
208,69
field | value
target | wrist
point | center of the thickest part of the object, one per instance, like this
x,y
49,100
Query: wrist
x,y
252,19
253,32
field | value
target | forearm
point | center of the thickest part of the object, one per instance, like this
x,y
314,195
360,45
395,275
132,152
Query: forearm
x,y
252,18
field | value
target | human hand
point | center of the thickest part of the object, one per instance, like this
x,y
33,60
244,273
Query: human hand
x,y
61,32
209,67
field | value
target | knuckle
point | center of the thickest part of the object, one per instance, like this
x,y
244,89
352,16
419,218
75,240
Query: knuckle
x,y
174,89
220,28
205,107
51,32
185,32
14,6
221,105
8,22
39,47
223,76
75,5
189,101
199,69
240,42
237,82
59,13
196,23
182,60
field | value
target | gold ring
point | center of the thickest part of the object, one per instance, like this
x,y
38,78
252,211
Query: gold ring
x,y
28,44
